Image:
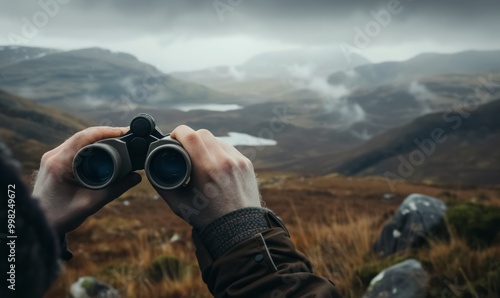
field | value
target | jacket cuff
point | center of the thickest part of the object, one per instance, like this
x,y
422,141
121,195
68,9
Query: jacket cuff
x,y
231,229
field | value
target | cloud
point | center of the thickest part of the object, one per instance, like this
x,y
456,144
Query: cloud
x,y
334,97
236,75
316,21
423,96
145,28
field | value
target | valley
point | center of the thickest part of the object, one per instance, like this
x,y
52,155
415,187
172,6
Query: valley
x,y
336,151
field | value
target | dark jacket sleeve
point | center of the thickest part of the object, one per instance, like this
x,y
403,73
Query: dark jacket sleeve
x,y
263,263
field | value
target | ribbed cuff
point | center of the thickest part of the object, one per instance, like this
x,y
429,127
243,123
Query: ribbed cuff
x,y
233,228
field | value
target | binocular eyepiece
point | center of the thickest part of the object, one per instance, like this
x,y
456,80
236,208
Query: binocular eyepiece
x,y
166,162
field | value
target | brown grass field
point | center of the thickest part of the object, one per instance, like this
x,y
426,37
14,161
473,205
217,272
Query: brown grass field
x,y
333,219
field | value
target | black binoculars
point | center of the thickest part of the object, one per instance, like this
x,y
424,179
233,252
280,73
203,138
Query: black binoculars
x,y
165,161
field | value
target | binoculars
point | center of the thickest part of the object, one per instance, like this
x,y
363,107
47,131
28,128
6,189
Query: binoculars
x,y
165,161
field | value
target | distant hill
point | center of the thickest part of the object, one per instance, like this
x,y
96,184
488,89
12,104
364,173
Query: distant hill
x,y
469,62
14,54
468,156
266,74
95,78
316,61
29,129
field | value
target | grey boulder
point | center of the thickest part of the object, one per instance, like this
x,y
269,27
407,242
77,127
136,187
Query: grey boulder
x,y
89,287
403,280
417,219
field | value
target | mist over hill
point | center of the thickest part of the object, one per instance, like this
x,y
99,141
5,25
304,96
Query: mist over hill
x,y
268,74
324,118
468,62
94,78
450,148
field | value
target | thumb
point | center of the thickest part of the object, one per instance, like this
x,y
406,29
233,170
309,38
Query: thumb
x,y
118,188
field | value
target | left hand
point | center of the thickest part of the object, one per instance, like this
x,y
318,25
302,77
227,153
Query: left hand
x,y
65,202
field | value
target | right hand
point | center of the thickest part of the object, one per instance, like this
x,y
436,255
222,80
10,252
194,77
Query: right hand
x,y
222,179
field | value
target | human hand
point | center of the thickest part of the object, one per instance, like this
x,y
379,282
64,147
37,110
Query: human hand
x,y
222,179
65,202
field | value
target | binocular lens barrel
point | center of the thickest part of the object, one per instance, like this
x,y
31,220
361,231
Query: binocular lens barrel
x,y
95,166
168,167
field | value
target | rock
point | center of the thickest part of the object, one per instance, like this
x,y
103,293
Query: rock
x,y
89,287
175,238
389,196
417,219
404,280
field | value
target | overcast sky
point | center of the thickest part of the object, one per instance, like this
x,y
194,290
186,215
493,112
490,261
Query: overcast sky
x,y
194,34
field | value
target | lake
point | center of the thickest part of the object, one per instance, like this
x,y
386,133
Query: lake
x,y
242,139
208,107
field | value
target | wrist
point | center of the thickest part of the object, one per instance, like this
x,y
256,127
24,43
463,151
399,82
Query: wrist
x,y
233,228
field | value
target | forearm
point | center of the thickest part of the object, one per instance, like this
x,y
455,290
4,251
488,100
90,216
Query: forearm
x,y
263,263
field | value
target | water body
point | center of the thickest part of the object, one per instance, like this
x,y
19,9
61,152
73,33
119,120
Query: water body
x,y
242,139
208,107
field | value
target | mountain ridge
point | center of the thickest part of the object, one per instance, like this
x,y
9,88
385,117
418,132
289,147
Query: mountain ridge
x,y
426,64
94,77
463,156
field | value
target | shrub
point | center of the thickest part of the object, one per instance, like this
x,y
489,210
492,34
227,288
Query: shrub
x,y
477,224
167,267
367,272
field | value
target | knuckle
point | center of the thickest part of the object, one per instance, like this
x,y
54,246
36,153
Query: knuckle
x,y
45,160
51,166
228,165
245,163
182,126
192,138
204,131
83,134
180,129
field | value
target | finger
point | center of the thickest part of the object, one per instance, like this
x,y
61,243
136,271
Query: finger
x,y
192,142
213,147
92,135
117,189
67,150
230,149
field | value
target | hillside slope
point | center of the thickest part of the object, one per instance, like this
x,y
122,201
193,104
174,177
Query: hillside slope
x,y
468,62
29,129
464,150
14,54
95,78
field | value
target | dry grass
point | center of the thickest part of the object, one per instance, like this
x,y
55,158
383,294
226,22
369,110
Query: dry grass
x,y
335,231
336,250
